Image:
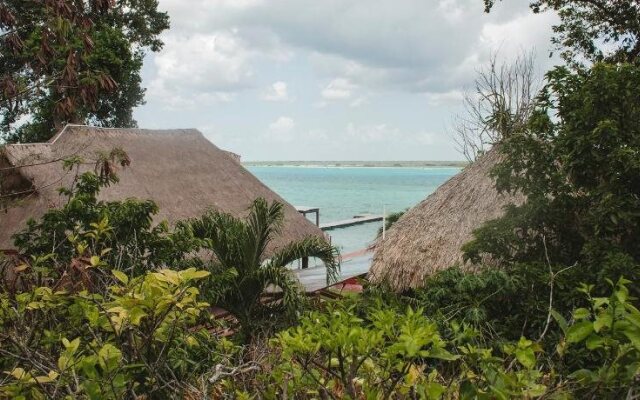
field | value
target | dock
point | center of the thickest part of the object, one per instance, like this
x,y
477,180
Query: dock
x,y
356,220
304,210
351,265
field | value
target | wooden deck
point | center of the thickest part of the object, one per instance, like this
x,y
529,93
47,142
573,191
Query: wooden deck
x,y
351,265
357,220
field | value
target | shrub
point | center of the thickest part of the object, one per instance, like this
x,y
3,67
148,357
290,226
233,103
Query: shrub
x,y
133,339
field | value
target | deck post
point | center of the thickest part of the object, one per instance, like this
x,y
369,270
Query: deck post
x,y
305,262
318,217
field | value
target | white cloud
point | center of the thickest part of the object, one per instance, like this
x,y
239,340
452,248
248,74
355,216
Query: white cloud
x,y
426,138
277,92
338,89
281,130
452,10
317,135
372,133
357,102
444,98
201,68
381,133
414,45
207,62
510,37
404,63
282,124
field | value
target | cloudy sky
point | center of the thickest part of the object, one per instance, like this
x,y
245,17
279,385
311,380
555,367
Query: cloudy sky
x,y
329,79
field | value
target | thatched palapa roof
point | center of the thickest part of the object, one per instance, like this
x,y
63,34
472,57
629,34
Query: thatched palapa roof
x,y
428,237
180,170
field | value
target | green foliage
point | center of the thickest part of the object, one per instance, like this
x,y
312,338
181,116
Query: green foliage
x,y
103,317
245,266
337,352
69,61
86,329
490,301
121,232
585,25
136,337
578,166
375,351
610,330
390,220
386,354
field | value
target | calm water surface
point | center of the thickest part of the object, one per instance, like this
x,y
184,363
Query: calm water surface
x,y
342,192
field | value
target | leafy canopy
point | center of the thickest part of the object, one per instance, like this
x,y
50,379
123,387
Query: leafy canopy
x,y
67,61
586,25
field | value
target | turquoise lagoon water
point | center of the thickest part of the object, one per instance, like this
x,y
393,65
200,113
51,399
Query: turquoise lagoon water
x,y
342,192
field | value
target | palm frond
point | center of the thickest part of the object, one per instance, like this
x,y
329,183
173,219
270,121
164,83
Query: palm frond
x,y
311,246
239,275
263,223
223,234
281,277
225,281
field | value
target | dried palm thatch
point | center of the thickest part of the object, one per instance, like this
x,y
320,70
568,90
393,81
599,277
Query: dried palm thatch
x,y
180,170
428,237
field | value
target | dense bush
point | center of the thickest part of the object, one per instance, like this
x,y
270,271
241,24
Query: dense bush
x,y
136,337
578,163
374,351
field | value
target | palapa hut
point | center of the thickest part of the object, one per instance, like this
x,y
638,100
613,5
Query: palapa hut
x,y
428,237
180,170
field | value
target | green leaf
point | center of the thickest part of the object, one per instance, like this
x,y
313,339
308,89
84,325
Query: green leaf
x,y
604,320
109,357
95,261
136,314
434,390
526,357
594,342
580,331
535,390
442,354
581,313
121,276
191,274
584,376
73,345
18,373
633,334
562,323
63,362
633,315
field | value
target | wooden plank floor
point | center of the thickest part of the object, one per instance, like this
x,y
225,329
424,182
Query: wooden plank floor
x,y
316,278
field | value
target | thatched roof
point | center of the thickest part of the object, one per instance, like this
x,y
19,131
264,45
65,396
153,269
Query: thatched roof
x,y
180,170
428,237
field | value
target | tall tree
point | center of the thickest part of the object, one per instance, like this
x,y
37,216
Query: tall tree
x,y
585,25
73,61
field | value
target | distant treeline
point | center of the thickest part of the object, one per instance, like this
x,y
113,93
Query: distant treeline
x,y
457,164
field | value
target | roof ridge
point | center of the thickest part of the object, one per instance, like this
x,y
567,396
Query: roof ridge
x,y
58,135
127,129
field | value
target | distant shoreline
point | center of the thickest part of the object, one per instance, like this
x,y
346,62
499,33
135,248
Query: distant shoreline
x,y
370,164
